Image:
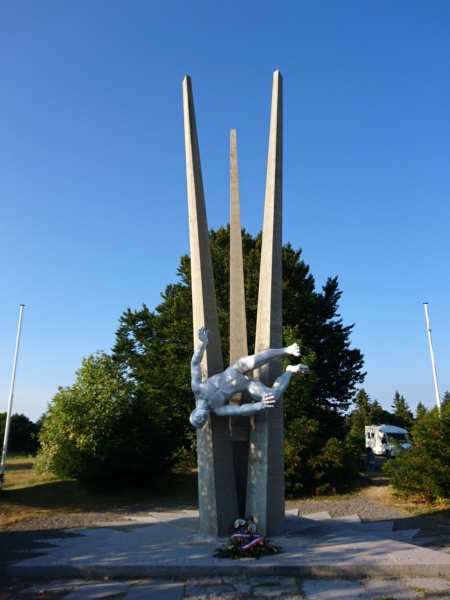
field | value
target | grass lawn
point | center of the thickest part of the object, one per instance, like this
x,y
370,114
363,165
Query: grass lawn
x,y
26,495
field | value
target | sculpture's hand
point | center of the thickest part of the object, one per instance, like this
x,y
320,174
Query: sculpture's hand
x,y
203,334
293,349
268,401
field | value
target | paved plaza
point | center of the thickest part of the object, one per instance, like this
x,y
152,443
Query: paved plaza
x,y
162,555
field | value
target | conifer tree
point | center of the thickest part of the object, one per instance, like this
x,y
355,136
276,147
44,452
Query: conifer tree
x,y
402,415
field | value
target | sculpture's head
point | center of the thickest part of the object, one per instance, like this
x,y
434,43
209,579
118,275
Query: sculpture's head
x,y
198,417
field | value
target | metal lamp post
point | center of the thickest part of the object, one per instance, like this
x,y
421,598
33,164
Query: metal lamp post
x,y
433,366
11,394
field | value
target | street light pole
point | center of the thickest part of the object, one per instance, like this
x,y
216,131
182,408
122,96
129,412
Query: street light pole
x,y
433,366
11,394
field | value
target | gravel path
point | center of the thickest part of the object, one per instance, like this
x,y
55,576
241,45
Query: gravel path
x,y
376,502
373,503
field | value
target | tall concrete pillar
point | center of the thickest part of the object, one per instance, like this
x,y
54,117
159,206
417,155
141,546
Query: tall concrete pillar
x,y
216,482
265,487
240,426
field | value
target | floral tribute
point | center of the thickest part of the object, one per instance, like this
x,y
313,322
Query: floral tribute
x,y
246,542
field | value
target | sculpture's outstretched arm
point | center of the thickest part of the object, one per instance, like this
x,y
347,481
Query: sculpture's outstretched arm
x,y
197,357
245,410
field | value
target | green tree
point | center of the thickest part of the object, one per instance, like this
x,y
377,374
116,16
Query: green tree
x,y
23,433
423,471
315,465
445,399
301,442
366,412
421,411
153,349
153,352
401,413
97,432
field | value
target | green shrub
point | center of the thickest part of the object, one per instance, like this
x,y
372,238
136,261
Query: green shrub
x,y
423,471
301,439
97,432
336,465
314,464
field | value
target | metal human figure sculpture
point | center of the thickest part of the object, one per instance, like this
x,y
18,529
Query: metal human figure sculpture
x,y
214,393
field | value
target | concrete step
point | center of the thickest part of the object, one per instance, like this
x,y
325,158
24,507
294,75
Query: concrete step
x,y
382,528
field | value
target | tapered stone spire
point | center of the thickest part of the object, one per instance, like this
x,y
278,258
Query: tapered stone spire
x,y
240,426
216,482
265,486
238,322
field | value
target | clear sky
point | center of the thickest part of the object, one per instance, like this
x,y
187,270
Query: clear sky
x,y
92,168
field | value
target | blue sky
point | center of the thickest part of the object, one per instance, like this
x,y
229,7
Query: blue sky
x,y
92,167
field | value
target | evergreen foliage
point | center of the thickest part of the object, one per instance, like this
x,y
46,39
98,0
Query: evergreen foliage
x,y
445,399
153,349
401,413
150,344
423,471
23,433
366,412
421,411
314,463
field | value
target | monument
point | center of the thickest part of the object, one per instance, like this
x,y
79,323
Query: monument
x,y
240,458
214,393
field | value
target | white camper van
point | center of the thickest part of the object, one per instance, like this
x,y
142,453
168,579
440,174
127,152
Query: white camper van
x,y
383,439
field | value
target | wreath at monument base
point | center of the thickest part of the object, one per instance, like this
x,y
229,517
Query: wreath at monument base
x,y
246,542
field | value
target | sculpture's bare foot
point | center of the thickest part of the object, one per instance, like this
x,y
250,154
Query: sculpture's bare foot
x,y
297,368
268,401
293,349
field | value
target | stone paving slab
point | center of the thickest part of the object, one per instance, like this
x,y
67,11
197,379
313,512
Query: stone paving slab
x,y
358,590
349,519
169,545
369,589
319,516
286,588
155,590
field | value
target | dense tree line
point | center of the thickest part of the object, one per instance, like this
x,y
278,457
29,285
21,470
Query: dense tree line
x,y
23,433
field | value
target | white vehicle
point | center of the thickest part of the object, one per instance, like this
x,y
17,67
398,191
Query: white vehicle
x,y
384,439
